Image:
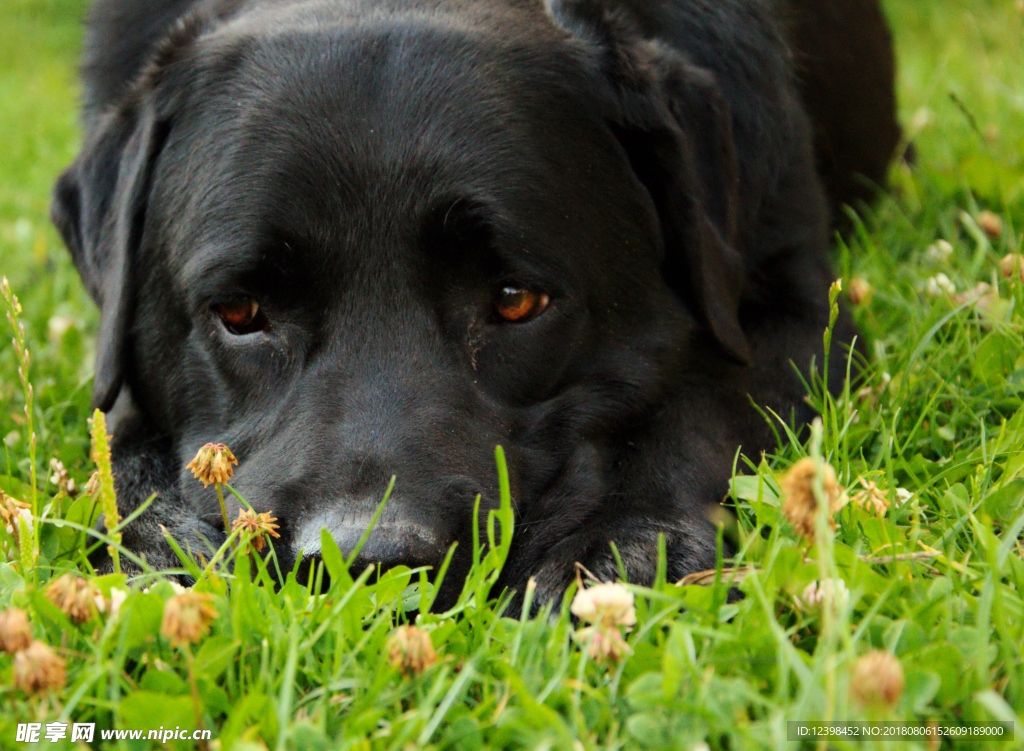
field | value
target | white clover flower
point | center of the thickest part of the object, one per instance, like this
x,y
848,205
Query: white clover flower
x,y
609,608
61,479
816,593
939,285
58,325
921,120
112,606
26,515
607,604
939,252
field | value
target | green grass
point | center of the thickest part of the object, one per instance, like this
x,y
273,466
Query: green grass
x,y
295,670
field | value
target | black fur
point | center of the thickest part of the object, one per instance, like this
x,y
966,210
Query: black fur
x,y
373,173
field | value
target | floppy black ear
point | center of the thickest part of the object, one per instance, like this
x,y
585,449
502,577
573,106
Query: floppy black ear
x,y
99,207
676,128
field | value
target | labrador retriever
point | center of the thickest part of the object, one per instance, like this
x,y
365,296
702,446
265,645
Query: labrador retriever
x,y
357,239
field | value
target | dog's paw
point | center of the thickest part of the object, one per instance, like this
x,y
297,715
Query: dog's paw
x,y
145,545
689,547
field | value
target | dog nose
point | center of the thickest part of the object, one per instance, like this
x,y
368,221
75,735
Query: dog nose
x,y
391,542
392,545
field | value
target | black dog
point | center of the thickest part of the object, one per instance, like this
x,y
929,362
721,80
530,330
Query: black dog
x,y
357,238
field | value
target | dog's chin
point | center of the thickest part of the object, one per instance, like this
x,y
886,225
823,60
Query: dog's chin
x,y
393,541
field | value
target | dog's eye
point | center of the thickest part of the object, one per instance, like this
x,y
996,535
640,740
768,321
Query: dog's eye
x,y
241,316
518,305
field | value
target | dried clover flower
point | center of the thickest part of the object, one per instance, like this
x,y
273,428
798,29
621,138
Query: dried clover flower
x,y
872,498
869,394
38,669
187,617
257,525
15,630
212,465
13,513
991,223
10,510
22,518
75,596
859,291
1012,267
974,294
607,646
877,679
411,650
92,487
800,505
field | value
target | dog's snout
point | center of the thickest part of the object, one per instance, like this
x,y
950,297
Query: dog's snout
x,y
399,545
393,540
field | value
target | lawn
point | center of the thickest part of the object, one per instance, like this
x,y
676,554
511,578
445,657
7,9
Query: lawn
x,y
930,559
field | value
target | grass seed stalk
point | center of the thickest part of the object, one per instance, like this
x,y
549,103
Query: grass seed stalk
x,y
107,498
29,534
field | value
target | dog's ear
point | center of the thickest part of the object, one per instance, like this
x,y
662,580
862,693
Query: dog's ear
x,y
99,206
676,129
99,202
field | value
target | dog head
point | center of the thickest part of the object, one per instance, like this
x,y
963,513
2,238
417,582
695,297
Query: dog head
x,y
353,245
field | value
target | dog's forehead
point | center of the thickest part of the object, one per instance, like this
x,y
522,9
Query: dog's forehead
x,y
357,128
397,89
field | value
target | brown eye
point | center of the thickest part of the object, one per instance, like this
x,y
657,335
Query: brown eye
x,y
242,316
518,305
